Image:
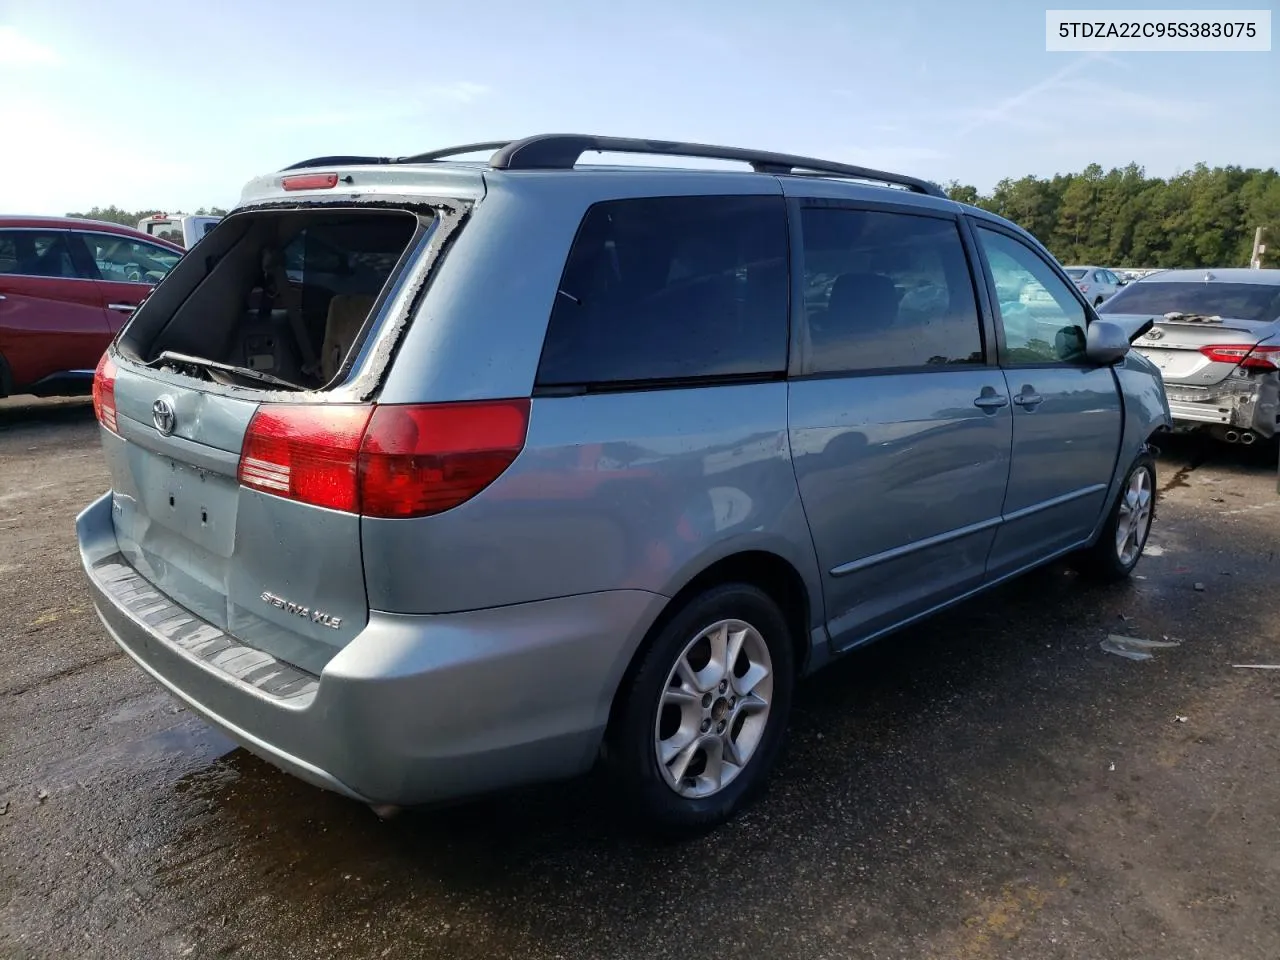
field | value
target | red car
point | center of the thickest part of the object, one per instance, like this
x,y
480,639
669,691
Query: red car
x,y
66,287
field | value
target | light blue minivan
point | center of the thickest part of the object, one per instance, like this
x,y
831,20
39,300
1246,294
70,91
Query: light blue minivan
x,y
433,476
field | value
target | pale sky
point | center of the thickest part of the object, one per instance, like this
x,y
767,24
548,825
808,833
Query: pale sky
x,y
176,105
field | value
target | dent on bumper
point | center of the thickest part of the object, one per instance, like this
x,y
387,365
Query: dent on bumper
x,y
1251,404
416,708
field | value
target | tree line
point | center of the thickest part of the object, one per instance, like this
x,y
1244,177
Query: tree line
x,y
1204,217
114,214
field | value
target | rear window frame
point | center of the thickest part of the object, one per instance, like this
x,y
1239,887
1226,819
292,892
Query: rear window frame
x,y
439,220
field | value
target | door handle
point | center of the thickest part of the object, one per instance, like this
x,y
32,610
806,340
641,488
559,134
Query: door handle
x,y
1028,399
991,401
122,307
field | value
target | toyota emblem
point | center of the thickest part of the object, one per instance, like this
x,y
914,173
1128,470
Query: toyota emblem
x,y
163,416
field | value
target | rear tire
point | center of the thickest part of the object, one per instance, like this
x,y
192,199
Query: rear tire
x,y
1124,535
701,721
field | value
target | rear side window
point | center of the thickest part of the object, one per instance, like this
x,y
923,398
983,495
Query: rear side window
x,y
671,288
885,291
128,261
37,253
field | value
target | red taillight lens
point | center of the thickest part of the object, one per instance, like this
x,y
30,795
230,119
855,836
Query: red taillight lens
x,y
420,460
310,181
306,453
1246,355
1084,287
104,393
382,461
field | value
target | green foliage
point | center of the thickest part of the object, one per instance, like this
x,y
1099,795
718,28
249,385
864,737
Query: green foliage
x,y
114,214
1204,217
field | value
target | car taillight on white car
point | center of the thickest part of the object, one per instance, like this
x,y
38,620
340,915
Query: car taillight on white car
x,y
104,393
1247,355
383,460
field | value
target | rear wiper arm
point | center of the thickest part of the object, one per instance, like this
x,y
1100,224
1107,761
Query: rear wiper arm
x,y
172,356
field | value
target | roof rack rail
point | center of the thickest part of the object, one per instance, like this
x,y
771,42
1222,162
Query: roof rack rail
x,y
561,151
336,162
457,151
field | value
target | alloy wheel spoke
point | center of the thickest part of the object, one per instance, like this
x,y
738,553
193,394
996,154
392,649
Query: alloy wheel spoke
x,y
746,683
682,758
689,677
681,697
748,706
714,771
716,667
676,744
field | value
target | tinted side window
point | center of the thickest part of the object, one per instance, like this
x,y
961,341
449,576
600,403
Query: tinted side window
x,y
885,290
8,253
1043,321
36,253
129,261
671,288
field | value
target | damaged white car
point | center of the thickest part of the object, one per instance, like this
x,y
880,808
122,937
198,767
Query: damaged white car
x,y
1216,340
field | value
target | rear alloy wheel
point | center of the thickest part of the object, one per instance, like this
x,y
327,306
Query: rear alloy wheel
x,y
714,709
1124,536
702,720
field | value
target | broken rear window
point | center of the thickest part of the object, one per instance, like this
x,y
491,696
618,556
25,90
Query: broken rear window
x,y
287,294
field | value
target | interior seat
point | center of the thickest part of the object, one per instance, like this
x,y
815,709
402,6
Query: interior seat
x,y
347,314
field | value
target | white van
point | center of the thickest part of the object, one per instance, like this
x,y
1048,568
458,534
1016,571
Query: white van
x,y
177,228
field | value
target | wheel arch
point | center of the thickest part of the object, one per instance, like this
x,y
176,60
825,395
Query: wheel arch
x,y
765,569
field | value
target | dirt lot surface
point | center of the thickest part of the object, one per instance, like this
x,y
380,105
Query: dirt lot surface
x,y
992,784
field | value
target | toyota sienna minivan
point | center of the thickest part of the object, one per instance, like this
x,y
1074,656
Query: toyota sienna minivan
x,y
433,476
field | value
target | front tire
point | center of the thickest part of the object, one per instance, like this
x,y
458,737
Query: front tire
x,y
701,722
1124,535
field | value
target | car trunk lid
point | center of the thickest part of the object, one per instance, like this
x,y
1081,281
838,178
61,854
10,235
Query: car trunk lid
x,y
1199,351
283,577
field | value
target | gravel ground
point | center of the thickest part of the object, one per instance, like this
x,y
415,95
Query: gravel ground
x,y
991,784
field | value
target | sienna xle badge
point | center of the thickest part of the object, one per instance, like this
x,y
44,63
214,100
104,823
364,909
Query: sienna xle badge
x,y
433,476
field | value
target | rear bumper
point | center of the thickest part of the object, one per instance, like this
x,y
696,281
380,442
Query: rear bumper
x,y
1250,405
415,709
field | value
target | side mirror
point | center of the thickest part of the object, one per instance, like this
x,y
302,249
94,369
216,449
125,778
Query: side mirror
x,y
1106,343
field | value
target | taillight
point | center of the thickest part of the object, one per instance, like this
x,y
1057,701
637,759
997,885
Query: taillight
x,y
305,453
104,393
1246,355
420,460
310,181
382,461
1084,287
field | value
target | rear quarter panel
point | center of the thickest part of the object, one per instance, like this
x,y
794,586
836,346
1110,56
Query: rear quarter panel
x,y
636,491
